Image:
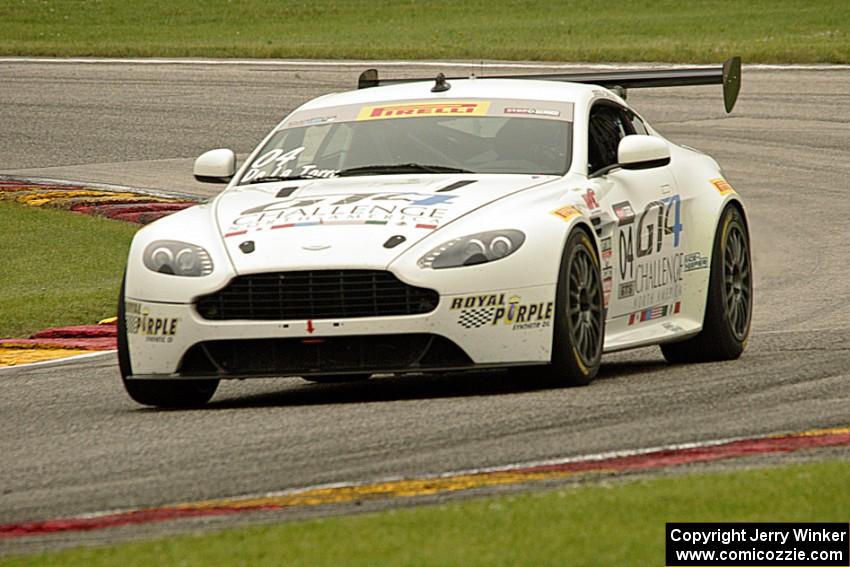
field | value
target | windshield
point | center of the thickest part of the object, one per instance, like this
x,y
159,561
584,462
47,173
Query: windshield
x,y
459,137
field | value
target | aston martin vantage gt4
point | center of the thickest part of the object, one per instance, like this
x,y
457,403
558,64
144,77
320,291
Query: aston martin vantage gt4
x,y
447,224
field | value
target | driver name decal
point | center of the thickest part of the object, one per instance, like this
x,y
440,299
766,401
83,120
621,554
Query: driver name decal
x,y
281,168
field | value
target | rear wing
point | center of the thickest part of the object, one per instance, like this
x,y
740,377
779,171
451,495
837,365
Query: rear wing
x,y
728,75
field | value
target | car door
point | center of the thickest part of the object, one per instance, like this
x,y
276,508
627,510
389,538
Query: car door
x,y
639,224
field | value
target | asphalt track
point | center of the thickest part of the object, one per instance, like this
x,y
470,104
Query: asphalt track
x,y
71,442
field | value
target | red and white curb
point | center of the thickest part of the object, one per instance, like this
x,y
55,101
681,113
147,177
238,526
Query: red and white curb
x,y
455,482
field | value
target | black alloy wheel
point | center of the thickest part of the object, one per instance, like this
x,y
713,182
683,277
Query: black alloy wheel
x,y
729,305
579,330
737,281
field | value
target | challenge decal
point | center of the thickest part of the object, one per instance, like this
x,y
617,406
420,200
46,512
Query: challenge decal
x,y
566,213
650,266
695,261
493,309
454,108
422,210
722,186
653,313
154,329
659,273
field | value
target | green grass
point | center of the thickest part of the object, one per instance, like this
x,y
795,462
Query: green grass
x,y
600,524
58,268
771,31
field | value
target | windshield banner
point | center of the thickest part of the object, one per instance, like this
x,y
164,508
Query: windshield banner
x,y
516,108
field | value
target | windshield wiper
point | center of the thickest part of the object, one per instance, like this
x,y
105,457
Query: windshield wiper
x,y
273,178
400,168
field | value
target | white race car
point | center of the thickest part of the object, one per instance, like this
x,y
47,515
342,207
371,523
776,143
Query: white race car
x,y
444,225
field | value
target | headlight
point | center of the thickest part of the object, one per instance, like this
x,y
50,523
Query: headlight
x,y
473,249
177,258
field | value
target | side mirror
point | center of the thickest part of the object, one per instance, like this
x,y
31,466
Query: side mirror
x,y
638,152
642,152
215,166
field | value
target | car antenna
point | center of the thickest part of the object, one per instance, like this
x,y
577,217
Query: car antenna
x,y
441,85
620,91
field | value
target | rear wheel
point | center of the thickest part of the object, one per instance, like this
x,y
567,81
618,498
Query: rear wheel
x,y
729,307
579,316
162,393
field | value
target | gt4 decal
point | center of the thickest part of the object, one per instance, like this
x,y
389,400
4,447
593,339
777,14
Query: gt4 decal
x,y
650,264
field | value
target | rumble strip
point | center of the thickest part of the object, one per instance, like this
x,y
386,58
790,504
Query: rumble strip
x,y
387,490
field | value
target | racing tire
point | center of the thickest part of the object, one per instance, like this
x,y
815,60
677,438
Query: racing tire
x,y
160,393
729,306
337,378
579,325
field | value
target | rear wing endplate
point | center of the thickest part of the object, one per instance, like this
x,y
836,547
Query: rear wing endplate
x,y
728,75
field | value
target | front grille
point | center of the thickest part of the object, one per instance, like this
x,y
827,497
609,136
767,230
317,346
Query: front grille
x,y
298,356
316,294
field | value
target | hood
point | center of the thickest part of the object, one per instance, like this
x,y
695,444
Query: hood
x,y
342,222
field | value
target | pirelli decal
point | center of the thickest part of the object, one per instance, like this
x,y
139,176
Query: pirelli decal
x,y
722,186
567,213
412,110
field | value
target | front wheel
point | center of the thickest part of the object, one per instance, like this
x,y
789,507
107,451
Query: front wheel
x,y
579,317
161,393
729,307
